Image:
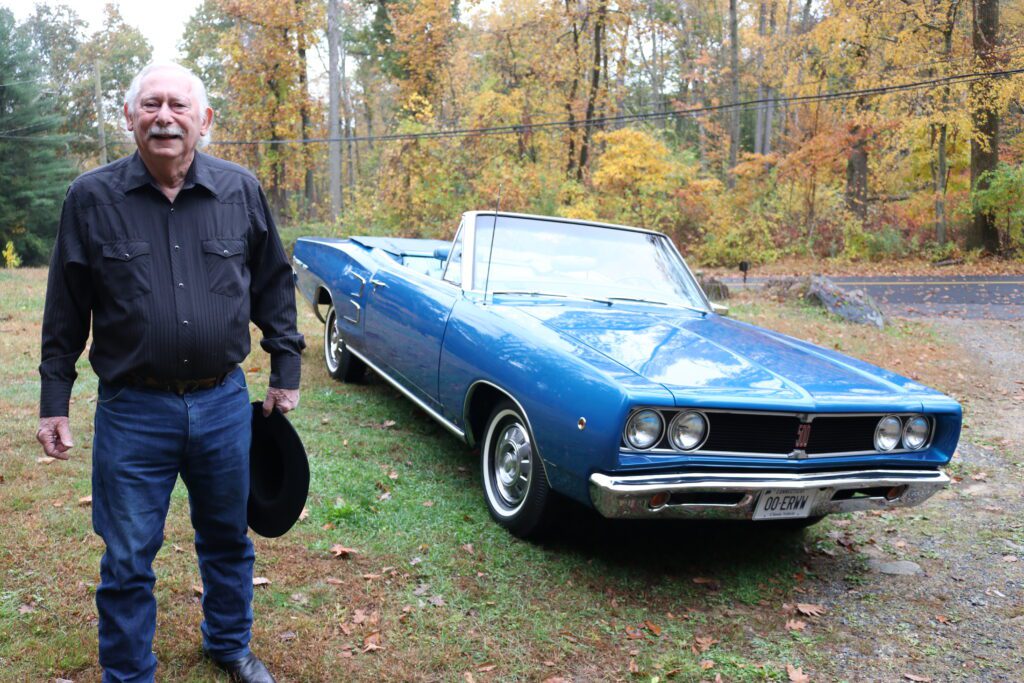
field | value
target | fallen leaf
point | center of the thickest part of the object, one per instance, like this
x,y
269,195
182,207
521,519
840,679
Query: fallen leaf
x,y
554,679
634,633
796,625
415,561
343,552
484,668
1009,558
371,642
333,581
428,503
388,424
633,668
712,584
809,610
27,608
328,526
304,514
704,643
177,548
942,618
468,677
392,475
797,675
358,617
372,577
197,589
980,476
286,636
260,581
437,601
468,548
916,678
653,628
707,664
85,501
300,598
45,460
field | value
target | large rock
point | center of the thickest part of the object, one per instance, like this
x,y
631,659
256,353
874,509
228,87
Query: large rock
x,y
854,305
715,289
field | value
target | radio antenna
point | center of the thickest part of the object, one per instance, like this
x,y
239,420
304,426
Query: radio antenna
x,y
490,252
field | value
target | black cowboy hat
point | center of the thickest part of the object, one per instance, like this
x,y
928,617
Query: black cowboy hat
x,y
278,474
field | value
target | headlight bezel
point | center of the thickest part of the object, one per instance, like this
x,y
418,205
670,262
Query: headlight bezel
x,y
629,421
678,418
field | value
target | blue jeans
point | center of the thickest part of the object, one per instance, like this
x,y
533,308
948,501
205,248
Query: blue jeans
x,y
144,439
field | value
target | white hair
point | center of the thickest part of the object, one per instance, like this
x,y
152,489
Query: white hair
x,y
131,98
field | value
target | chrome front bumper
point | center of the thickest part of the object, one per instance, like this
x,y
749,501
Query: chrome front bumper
x,y
734,495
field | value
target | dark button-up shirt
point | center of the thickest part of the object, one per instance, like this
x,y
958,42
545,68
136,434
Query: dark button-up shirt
x,y
170,287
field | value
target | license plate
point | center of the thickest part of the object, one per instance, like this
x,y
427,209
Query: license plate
x,y
783,504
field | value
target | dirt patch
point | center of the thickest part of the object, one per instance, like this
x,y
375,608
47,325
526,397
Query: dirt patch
x,y
960,616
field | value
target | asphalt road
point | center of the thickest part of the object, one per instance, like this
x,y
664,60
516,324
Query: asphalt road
x,y
995,297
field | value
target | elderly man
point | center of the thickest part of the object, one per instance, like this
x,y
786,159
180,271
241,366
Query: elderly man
x,y
170,252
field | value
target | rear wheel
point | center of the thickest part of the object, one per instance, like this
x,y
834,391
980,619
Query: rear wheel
x,y
515,485
341,363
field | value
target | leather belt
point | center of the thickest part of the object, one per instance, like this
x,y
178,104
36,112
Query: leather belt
x,y
176,386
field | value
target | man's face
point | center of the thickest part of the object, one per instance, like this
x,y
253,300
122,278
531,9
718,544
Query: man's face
x,y
167,122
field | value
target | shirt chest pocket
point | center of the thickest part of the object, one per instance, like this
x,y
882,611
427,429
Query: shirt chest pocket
x,y
126,269
225,266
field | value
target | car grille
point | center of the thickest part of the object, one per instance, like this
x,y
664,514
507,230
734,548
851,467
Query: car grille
x,y
739,433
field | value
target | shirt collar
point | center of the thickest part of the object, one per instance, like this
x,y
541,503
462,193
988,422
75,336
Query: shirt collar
x,y
136,174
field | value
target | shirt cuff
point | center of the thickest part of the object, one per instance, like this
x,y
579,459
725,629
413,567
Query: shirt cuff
x,y
54,397
285,370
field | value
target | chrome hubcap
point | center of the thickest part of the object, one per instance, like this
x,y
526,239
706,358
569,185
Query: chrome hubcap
x,y
513,464
332,343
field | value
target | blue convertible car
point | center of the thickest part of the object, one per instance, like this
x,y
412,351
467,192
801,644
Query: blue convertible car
x,y
584,359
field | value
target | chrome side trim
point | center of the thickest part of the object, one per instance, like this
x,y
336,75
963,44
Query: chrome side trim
x,y
628,496
362,283
300,262
354,321
409,395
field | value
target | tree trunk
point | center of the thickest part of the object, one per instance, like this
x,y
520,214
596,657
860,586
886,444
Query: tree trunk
x,y
101,124
734,94
983,232
570,105
857,175
307,155
333,132
940,179
595,87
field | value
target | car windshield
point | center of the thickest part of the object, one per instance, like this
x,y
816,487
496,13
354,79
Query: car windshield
x,y
533,256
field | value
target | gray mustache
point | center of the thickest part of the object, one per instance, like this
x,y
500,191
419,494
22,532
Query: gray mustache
x,y
173,130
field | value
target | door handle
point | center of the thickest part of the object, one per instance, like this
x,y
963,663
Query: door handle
x,y
377,283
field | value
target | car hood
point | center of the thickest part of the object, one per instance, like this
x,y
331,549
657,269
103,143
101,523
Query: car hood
x,y
709,359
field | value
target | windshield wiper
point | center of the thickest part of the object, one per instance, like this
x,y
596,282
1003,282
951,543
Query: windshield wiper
x,y
639,301
529,293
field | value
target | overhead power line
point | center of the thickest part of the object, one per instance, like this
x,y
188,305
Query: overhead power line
x,y
520,128
515,129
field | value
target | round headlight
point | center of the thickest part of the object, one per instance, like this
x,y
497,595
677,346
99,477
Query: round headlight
x,y
915,432
644,429
887,433
687,430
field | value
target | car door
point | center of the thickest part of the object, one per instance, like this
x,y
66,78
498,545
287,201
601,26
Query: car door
x,y
406,315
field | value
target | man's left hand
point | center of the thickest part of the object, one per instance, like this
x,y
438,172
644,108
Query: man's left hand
x,y
282,399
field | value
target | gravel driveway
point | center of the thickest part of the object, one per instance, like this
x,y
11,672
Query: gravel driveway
x,y
937,592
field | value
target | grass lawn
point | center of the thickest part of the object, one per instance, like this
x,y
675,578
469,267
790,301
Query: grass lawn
x,y
433,589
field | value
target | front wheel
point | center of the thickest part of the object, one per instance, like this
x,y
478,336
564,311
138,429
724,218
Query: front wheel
x,y
515,485
341,363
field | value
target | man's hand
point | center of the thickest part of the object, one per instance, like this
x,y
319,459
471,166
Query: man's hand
x,y
55,435
282,399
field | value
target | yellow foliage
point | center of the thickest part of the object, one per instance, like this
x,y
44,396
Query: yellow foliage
x,y
11,258
634,163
